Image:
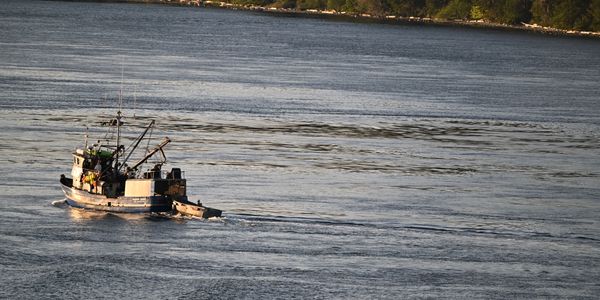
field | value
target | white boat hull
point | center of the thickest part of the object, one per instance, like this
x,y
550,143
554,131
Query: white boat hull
x,y
83,199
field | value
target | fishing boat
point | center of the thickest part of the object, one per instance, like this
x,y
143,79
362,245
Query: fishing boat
x,y
102,177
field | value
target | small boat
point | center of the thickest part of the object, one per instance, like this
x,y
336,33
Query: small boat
x,y
102,178
186,207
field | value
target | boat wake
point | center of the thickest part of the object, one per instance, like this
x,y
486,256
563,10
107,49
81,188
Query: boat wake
x,y
183,217
60,203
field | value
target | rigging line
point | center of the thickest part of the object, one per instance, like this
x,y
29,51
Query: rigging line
x,y
110,134
134,99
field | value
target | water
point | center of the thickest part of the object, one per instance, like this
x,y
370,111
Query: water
x,y
351,160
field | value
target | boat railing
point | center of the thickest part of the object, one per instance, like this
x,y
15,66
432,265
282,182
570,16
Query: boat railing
x,y
172,174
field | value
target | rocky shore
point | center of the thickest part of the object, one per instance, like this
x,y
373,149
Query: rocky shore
x,y
387,19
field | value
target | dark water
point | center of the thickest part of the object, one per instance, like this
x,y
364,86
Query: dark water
x,y
351,160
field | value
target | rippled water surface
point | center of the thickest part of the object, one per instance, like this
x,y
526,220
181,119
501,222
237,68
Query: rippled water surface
x,y
351,160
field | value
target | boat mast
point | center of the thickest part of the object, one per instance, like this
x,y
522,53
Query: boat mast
x,y
119,120
86,138
118,139
121,89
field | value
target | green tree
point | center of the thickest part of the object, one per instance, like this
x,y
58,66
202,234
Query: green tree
x,y
406,8
489,8
570,14
373,7
433,7
335,4
476,13
284,4
350,6
456,9
541,12
594,15
310,4
515,11
508,11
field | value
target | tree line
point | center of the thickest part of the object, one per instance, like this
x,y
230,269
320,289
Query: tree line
x,y
581,15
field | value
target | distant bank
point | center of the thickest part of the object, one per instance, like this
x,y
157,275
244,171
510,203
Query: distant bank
x,y
354,15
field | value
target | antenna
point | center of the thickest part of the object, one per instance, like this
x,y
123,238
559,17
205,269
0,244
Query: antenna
x,y
121,89
134,99
86,138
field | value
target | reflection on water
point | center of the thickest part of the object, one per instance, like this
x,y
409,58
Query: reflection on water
x,y
82,214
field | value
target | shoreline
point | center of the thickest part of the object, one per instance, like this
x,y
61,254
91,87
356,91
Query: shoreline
x,y
392,19
367,18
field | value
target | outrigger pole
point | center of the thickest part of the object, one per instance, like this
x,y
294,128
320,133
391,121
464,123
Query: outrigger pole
x,y
137,142
151,153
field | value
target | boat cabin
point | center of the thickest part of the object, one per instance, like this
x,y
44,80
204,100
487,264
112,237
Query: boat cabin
x,y
93,172
157,182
